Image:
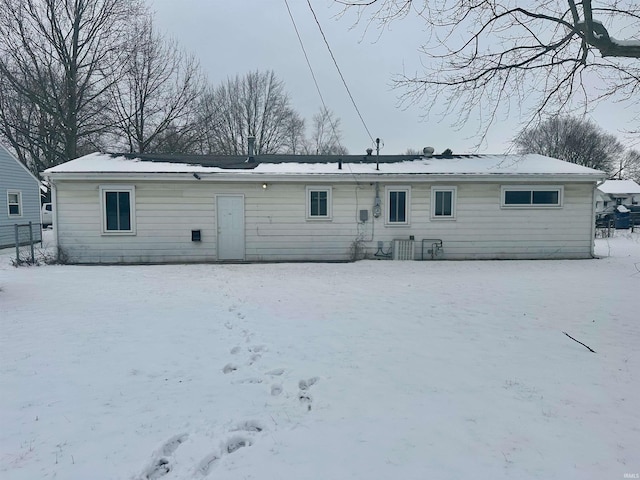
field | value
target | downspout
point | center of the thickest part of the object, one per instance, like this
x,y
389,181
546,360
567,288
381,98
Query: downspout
x,y
593,217
54,208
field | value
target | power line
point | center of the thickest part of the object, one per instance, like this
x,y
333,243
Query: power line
x,y
339,71
315,81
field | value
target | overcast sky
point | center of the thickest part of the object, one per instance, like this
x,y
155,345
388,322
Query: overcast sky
x,y
232,37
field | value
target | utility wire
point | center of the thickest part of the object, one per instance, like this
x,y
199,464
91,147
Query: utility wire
x,y
339,71
315,81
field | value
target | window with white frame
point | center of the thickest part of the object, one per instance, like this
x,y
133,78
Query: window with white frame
x,y
14,203
118,209
398,201
542,196
443,203
319,203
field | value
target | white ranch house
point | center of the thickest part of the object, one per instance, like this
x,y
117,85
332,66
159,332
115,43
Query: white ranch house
x,y
612,193
127,208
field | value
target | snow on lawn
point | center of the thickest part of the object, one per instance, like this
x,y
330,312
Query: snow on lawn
x,y
370,370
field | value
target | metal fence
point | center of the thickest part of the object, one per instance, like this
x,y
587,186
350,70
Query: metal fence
x,y
606,225
22,237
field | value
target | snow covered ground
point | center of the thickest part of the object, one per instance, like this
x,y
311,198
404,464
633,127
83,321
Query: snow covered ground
x,y
370,370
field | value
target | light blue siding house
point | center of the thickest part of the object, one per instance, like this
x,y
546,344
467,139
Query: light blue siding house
x,y
19,198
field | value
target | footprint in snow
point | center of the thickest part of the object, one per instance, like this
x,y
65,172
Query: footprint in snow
x,y
305,398
205,465
303,395
173,443
254,358
235,350
249,380
229,367
157,470
161,465
249,426
232,445
276,389
305,384
235,443
276,372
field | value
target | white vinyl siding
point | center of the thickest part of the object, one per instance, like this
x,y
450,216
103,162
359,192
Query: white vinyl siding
x,y
318,203
118,204
276,227
443,203
14,203
525,196
484,229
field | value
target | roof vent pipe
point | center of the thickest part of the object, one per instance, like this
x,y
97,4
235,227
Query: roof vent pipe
x,y
340,164
428,151
252,145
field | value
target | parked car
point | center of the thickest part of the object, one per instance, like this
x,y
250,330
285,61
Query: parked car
x,y
47,214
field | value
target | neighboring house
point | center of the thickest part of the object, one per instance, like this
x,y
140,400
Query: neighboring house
x,y
19,199
156,208
612,193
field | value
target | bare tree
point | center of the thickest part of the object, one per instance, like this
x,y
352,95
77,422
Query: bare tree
x,y
295,141
253,105
326,138
627,166
55,55
572,140
155,95
29,130
489,57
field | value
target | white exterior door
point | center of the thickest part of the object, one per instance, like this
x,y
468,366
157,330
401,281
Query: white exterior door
x,y
230,215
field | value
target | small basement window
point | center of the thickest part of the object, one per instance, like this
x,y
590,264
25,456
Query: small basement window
x,y
531,197
318,203
118,209
14,203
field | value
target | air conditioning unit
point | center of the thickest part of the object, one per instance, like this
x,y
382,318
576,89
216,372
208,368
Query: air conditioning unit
x,y
403,249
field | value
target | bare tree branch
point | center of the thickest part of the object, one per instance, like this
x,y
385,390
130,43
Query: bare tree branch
x,y
326,138
491,56
155,95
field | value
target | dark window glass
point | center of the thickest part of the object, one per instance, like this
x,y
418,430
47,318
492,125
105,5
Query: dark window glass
x,y
517,197
319,204
397,207
124,213
14,204
544,197
444,204
117,209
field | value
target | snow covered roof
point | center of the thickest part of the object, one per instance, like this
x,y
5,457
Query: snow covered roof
x,y
620,187
294,165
